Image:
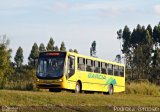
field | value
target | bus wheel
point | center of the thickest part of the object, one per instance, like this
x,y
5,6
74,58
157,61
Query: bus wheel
x,y
111,89
78,88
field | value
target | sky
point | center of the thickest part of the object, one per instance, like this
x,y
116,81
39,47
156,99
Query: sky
x,y
76,22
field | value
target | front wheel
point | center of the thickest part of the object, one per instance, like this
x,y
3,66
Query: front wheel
x,y
111,89
78,88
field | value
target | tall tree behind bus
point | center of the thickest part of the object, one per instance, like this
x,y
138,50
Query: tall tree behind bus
x,y
50,45
141,50
93,49
32,59
19,57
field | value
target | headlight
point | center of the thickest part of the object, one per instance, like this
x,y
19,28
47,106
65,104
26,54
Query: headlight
x,y
60,80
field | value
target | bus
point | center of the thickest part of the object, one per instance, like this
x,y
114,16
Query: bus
x,y
59,70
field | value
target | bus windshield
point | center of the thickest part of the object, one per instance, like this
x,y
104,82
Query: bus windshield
x,y
50,65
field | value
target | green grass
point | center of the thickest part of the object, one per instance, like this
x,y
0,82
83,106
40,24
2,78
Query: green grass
x,y
136,94
66,101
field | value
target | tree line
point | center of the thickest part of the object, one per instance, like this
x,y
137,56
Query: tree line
x,y
141,49
32,59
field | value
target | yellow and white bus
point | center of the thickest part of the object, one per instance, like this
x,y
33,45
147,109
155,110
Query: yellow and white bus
x,y
71,71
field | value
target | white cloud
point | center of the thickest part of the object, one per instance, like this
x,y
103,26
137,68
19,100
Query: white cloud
x,y
157,9
66,6
15,7
102,9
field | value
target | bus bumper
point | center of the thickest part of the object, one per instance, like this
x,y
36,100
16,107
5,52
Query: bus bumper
x,y
47,84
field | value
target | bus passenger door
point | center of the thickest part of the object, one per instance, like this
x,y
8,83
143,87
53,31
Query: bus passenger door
x,y
70,66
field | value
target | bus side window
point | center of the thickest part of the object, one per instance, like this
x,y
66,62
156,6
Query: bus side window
x,y
121,69
81,64
89,65
96,67
70,66
103,68
116,70
110,69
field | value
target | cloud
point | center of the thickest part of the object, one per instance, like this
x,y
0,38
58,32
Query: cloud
x,y
18,7
67,6
62,5
157,9
101,9
98,8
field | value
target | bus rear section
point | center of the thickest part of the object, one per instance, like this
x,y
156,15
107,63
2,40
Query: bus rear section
x,y
50,70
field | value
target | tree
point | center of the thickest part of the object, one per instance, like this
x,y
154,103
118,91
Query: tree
x,y
70,50
50,45
119,33
75,50
149,28
126,39
156,35
33,56
137,47
5,63
42,47
56,48
147,52
93,49
63,48
19,57
118,58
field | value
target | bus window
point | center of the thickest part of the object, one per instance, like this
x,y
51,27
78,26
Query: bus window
x,y
81,64
116,70
121,69
104,68
96,67
89,65
70,66
110,69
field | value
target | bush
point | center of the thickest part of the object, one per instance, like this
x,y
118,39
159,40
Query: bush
x,y
21,80
143,87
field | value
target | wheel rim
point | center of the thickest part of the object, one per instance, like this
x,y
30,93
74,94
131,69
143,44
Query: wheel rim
x,y
110,89
77,88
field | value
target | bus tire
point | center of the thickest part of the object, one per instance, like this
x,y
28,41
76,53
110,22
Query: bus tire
x,y
110,89
78,87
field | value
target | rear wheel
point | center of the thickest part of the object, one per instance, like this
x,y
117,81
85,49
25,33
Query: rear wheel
x,y
78,88
111,89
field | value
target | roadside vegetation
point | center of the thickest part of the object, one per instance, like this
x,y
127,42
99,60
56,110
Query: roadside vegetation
x,y
142,88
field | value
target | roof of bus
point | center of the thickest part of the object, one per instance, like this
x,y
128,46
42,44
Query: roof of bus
x,y
88,57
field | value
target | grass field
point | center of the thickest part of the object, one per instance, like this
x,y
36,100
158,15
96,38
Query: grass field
x,y
71,102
